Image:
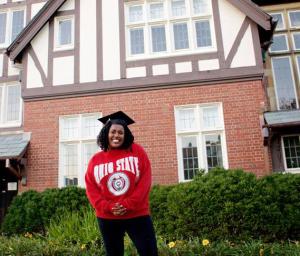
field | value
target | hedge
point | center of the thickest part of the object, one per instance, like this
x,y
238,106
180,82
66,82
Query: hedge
x,y
229,204
221,204
32,211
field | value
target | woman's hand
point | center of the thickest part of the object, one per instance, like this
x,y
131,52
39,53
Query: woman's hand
x,y
118,210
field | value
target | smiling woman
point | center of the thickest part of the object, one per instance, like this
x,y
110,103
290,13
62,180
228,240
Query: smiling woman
x,y
118,181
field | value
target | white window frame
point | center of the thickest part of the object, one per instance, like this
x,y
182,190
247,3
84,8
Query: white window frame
x,y
293,79
288,170
283,21
167,21
290,22
3,108
57,45
293,39
287,44
79,141
199,132
8,29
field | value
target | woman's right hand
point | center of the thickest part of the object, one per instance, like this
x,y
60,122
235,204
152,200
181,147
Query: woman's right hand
x,y
118,210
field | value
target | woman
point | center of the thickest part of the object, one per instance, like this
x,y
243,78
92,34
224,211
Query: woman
x,y
118,182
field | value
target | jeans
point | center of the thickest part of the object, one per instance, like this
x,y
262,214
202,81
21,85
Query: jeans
x,y
140,230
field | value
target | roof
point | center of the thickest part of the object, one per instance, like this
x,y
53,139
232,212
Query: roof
x,y
271,2
32,28
15,50
282,118
14,145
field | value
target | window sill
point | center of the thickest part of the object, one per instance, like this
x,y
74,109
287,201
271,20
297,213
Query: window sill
x,y
171,54
11,125
63,48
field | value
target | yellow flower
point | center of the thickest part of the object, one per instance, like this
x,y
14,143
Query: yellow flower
x,y
261,252
205,242
83,246
171,244
27,234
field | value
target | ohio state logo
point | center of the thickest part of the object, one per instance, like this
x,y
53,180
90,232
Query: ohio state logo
x,y
118,183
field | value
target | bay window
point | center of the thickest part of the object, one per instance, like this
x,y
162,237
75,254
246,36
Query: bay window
x,y
168,27
77,139
200,139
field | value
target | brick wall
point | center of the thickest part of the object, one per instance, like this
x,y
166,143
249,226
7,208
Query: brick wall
x,y
155,128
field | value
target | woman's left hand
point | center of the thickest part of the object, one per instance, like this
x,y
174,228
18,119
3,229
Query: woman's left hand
x,y
119,210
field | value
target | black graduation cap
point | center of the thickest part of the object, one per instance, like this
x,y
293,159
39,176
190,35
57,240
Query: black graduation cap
x,y
119,115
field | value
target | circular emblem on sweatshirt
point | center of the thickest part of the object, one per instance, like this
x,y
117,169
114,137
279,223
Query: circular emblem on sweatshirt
x,y
118,183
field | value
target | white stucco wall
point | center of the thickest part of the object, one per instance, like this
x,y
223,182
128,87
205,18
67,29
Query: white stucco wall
x,y
68,5
162,69
34,79
111,40
245,55
35,8
208,64
12,70
63,70
1,64
88,41
136,72
40,46
183,67
231,21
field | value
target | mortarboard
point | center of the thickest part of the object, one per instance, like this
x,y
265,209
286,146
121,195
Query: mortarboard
x,y
120,115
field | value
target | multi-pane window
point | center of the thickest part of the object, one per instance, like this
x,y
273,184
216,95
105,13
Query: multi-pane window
x,y
280,21
296,41
168,26
64,32
10,105
291,151
284,61
12,22
280,43
77,144
201,139
284,83
294,18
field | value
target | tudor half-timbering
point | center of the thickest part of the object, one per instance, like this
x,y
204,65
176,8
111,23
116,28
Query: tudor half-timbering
x,y
188,71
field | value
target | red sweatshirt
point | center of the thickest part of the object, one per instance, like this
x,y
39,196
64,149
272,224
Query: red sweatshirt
x,y
119,176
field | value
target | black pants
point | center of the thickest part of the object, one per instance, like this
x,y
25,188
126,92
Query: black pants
x,y
140,230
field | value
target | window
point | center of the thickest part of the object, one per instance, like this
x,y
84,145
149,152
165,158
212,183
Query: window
x,y
64,33
11,24
294,17
168,27
296,41
279,43
77,144
280,21
10,105
291,152
284,83
201,139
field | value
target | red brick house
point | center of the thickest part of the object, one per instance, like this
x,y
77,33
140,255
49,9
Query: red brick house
x,y
189,72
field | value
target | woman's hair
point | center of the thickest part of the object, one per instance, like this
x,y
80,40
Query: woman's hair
x,y
102,138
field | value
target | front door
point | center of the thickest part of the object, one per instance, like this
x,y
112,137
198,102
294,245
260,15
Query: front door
x,y
8,188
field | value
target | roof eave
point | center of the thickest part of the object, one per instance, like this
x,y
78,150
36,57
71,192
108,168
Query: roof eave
x,y
16,48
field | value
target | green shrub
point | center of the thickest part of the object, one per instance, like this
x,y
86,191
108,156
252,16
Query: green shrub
x,y
229,204
159,207
31,211
24,214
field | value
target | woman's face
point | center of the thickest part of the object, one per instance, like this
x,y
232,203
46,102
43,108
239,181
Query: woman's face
x,y
116,136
